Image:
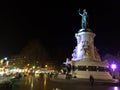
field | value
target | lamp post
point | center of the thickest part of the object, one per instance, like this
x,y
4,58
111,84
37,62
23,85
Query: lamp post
x,y
7,62
1,61
5,58
113,66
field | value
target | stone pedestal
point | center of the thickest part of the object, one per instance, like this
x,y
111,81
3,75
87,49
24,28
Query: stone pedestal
x,y
86,67
85,59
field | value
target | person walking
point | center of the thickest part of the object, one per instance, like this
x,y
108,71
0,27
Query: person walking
x,y
91,80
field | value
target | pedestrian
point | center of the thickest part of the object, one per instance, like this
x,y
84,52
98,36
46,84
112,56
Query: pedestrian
x,y
91,80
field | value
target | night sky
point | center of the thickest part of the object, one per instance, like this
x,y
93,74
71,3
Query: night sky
x,y
55,24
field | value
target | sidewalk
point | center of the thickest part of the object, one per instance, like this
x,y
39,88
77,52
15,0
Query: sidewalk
x,y
4,80
113,82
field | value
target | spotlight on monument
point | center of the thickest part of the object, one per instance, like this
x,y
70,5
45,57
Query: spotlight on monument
x,y
113,66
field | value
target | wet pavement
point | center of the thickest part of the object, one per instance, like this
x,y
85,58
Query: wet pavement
x,y
44,83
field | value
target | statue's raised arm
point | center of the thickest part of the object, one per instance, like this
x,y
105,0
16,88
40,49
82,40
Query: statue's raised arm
x,y
84,18
79,12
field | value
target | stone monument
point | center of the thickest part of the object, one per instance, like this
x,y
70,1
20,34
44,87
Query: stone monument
x,y
85,58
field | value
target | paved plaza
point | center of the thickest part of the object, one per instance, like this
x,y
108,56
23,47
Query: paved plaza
x,y
45,83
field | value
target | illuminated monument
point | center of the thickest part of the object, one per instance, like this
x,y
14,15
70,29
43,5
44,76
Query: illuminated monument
x,y
85,59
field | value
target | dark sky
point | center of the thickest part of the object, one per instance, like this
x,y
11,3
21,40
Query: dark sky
x,y
55,24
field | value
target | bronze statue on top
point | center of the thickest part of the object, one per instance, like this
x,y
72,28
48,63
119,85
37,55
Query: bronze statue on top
x,y
84,19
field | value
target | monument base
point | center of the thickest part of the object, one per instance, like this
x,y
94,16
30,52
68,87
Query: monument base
x,y
85,68
96,75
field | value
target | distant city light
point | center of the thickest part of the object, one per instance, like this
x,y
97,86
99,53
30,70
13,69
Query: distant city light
x,y
46,66
33,67
7,63
5,58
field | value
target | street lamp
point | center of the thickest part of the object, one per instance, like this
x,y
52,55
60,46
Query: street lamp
x,y
7,63
1,61
46,66
113,66
5,58
33,67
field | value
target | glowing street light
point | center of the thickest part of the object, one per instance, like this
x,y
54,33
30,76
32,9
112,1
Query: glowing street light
x,y
33,67
7,63
28,64
113,66
1,61
46,66
5,58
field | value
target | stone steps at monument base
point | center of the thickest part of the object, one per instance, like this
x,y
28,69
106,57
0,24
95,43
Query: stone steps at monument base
x,y
96,75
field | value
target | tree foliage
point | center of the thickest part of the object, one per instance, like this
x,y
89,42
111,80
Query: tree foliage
x,y
35,53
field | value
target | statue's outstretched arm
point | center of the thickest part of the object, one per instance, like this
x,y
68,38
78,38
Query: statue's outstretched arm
x,y
79,13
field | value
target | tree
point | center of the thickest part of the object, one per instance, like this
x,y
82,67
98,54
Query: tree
x,y
35,53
